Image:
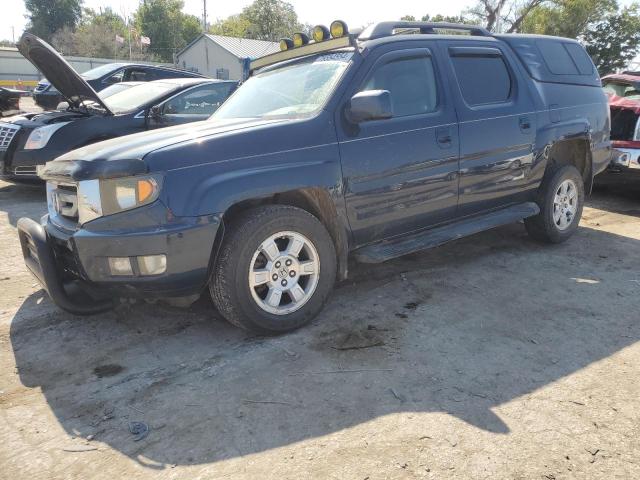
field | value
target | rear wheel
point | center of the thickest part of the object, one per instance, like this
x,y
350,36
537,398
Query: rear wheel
x,y
275,269
561,199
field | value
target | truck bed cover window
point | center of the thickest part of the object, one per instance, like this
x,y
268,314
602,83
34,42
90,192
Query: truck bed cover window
x,y
554,59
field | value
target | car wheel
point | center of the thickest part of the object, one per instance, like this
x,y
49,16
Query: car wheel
x,y
275,269
561,199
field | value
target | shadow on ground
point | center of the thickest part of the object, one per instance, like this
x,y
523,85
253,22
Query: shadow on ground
x,y
458,329
23,201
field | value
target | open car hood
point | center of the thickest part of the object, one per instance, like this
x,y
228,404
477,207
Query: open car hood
x,y
58,72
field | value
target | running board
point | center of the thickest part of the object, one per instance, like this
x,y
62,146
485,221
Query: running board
x,y
388,249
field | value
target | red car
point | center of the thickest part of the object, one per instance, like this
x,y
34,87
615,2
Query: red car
x,y
624,100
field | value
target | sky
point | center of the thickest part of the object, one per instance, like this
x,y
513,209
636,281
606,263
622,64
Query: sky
x,y
354,12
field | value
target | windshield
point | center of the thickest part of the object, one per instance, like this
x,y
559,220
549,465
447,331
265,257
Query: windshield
x,y
296,89
627,90
100,71
136,97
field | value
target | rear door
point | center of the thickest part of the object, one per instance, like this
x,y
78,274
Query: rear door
x,y
401,173
496,125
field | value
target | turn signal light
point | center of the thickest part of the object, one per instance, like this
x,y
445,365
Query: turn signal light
x,y
146,188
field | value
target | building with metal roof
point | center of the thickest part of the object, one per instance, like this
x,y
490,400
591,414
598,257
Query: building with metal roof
x,y
222,57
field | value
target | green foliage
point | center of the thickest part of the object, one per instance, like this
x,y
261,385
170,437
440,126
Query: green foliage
x,y
233,26
168,28
614,40
567,18
46,17
262,20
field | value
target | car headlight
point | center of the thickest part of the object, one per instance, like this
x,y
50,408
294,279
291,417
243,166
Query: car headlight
x,y
41,136
97,198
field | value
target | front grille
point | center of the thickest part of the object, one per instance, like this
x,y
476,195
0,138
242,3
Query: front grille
x,y
25,170
62,200
7,132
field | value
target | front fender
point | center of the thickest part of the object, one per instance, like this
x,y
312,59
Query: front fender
x,y
212,188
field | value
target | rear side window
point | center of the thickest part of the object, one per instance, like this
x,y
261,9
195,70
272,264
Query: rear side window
x,y
483,79
411,82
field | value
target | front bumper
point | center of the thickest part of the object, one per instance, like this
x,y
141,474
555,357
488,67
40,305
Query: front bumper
x,y
625,159
62,259
40,259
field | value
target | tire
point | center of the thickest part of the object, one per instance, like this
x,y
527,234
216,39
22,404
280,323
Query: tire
x,y
247,247
549,226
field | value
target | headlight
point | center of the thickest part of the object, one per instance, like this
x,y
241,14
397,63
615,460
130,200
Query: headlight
x,y
41,136
97,198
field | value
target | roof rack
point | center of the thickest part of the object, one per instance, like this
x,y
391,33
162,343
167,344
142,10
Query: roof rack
x,y
385,29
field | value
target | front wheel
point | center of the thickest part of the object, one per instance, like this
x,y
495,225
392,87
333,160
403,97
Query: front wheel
x,y
275,269
561,199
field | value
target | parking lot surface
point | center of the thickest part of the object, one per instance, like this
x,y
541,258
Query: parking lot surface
x,y
489,357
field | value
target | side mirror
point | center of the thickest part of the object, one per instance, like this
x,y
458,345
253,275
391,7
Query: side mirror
x,y
155,112
370,105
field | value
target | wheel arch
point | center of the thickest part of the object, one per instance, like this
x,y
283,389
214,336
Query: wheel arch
x,y
574,151
318,201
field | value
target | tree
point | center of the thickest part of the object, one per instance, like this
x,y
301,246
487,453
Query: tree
x,y
166,26
262,20
46,17
503,15
271,20
614,40
233,26
567,18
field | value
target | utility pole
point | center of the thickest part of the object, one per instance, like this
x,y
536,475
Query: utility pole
x,y
204,17
13,32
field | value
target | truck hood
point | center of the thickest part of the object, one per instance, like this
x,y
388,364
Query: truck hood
x,y
59,73
124,156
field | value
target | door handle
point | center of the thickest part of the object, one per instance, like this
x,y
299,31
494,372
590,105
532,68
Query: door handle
x,y
525,124
443,137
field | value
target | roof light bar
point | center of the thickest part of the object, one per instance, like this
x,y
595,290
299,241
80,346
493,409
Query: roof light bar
x,y
308,49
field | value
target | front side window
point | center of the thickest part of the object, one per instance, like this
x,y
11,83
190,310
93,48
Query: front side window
x,y
115,78
483,79
199,101
411,83
138,75
296,89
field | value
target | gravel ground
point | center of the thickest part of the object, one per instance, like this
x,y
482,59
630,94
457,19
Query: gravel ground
x,y
489,357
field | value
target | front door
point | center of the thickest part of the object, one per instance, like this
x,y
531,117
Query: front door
x,y
401,173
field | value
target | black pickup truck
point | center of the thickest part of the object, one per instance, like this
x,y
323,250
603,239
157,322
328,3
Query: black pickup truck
x,y
373,146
